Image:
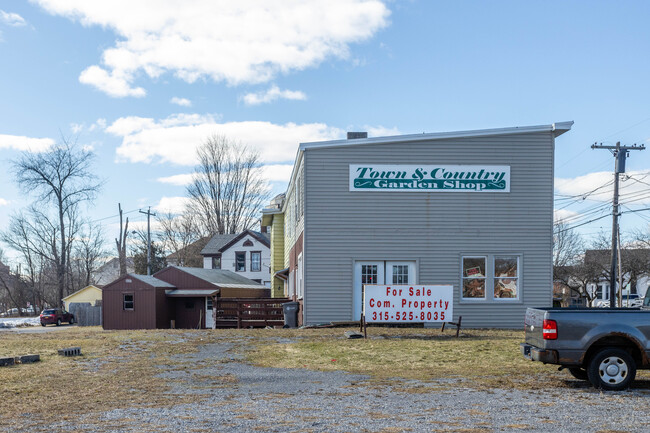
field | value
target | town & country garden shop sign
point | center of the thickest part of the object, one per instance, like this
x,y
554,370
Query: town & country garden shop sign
x,y
430,178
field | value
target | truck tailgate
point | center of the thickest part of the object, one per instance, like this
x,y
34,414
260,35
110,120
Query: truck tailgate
x,y
533,326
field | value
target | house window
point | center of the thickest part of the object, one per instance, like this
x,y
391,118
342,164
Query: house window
x,y
248,243
127,301
506,277
400,274
368,274
491,278
474,277
216,262
209,304
256,261
240,262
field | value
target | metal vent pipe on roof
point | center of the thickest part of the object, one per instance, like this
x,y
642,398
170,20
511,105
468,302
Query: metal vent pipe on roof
x,y
355,135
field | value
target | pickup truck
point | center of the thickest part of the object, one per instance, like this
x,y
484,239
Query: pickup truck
x,y
604,346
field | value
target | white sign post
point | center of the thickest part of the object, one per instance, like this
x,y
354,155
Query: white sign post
x,y
407,304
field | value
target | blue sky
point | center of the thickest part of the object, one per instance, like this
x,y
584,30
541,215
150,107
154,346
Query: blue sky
x,y
143,83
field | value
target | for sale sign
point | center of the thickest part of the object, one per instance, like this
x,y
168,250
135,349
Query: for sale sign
x,y
408,304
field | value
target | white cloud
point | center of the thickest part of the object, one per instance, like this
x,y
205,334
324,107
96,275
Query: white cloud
x,y
11,19
22,143
277,172
599,186
174,205
116,83
178,179
4,202
76,127
271,95
563,214
183,102
245,41
176,138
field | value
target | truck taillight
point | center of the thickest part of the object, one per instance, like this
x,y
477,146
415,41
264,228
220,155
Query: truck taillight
x,y
549,329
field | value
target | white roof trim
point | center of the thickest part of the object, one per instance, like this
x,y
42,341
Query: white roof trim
x,y
558,127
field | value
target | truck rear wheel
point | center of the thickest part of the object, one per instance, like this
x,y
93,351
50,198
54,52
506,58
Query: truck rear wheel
x,y
611,369
578,373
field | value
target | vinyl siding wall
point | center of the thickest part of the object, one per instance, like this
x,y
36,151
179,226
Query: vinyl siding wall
x,y
433,229
294,215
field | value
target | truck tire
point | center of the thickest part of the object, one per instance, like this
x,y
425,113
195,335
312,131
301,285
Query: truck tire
x,y
578,373
611,369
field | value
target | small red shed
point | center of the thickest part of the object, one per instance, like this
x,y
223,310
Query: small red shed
x,y
175,296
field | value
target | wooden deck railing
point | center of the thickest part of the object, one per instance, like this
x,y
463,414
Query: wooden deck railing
x,y
248,312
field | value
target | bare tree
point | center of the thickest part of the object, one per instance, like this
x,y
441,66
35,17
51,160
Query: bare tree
x,y
228,190
120,242
62,178
181,238
88,252
568,245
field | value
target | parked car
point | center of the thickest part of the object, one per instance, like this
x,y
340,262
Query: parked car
x,y
56,316
606,347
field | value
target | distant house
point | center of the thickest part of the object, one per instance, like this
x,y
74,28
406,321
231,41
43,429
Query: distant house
x,y
636,272
247,254
110,270
89,294
175,296
189,256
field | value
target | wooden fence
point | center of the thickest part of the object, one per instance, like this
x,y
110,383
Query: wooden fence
x,y
248,312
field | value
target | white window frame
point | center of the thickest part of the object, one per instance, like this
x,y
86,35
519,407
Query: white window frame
x,y
517,278
490,278
300,277
484,277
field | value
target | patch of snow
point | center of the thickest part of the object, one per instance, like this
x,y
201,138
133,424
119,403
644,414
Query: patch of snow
x,y
13,322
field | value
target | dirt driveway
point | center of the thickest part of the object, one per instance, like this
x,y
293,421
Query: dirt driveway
x,y
228,394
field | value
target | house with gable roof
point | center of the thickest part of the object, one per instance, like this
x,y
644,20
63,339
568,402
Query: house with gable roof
x,y
247,254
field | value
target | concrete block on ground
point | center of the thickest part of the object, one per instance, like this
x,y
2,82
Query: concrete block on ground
x,y
27,359
7,361
70,351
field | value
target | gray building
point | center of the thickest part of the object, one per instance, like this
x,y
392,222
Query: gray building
x,y
471,209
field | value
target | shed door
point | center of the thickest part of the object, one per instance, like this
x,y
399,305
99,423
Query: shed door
x,y
365,273
209,319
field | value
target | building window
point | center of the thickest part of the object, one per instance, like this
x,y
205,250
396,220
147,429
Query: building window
x,y
474,277
216,262
127,301
368,274
240,262
256,261
248,243
400,274
506,277
209,304
491,278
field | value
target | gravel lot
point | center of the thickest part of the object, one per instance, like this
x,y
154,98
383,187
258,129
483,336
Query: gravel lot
x,y
279,400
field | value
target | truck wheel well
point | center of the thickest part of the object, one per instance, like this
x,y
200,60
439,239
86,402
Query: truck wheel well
x,y
619,341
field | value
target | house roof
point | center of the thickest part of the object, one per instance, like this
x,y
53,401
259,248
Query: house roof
x,y
605,256
90,287
185,293
218,243
221,278
557,128
152,281
193,248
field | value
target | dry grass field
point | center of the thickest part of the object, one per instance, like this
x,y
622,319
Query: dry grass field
x,y
119,368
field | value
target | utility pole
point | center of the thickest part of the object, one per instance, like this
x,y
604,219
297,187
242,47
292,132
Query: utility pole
x,y
148,213
620,153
